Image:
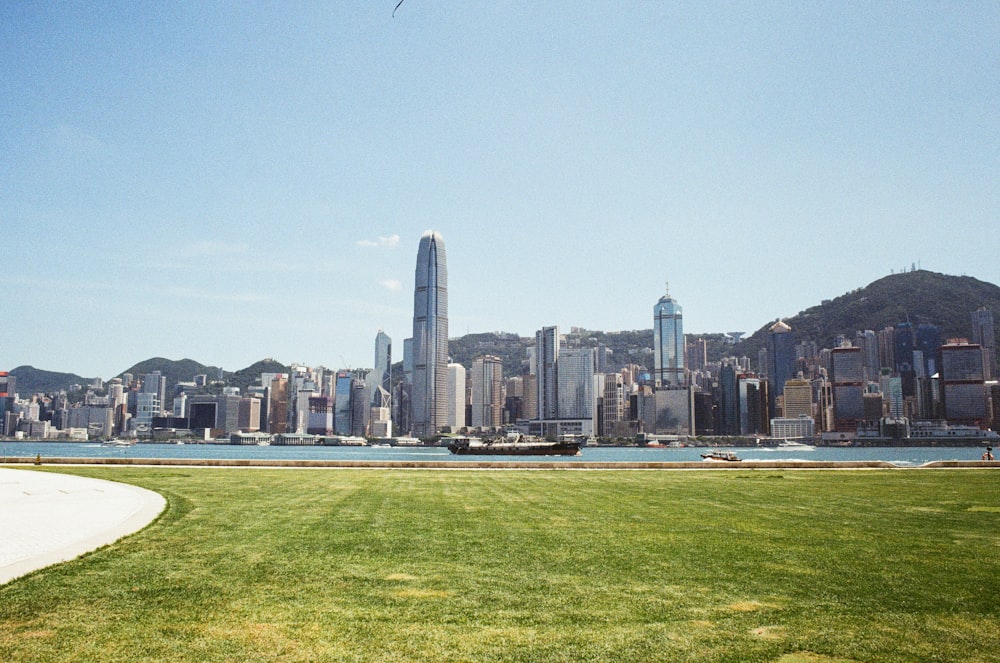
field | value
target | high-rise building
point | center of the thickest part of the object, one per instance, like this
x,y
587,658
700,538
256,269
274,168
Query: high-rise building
x,y
546,361
456,396
780,360
382,375
575,377
342,403
984,334
904,343
963,390
848,374
487,392
429,400
929,339
798,399
668,343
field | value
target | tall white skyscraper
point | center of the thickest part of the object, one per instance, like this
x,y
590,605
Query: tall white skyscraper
x,y
456,396
429,399
668,343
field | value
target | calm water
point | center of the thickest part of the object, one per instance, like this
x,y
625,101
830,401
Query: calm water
x,y
898,455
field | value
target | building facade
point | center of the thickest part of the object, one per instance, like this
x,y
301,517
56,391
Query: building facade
x,y
429,394
668,343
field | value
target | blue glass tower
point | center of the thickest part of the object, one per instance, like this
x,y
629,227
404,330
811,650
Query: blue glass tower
x,y
668,343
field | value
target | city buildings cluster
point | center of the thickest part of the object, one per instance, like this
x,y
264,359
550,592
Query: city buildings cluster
x,y
900,382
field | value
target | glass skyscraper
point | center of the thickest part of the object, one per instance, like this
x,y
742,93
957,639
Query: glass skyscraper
x,y
429,397
668,343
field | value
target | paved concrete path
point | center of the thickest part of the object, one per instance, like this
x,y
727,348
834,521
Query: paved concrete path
x,y
46,518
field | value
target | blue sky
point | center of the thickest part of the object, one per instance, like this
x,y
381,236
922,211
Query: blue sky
x,y
233,181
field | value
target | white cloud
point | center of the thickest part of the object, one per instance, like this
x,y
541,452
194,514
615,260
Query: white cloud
x,y
381,242
394,285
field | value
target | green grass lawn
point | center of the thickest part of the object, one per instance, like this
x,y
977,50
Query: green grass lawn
x,y
385,565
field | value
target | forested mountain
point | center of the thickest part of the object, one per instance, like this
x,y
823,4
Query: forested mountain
x,y
918,297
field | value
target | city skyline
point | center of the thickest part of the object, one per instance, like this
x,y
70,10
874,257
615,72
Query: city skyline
x,y
228,183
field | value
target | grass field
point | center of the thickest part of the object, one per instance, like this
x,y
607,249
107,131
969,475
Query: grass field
x,y
360,565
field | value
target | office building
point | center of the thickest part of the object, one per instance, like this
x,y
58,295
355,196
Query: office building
x,y
429,399
668,343
983,333
847,375
575,378
798,399
487,392
546,361
780,360
456,396
962,388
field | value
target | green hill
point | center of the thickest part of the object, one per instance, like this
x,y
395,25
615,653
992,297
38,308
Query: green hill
x,y
30,380
918,297
175,371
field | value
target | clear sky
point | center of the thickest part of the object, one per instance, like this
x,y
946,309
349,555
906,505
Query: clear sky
x,y
229,181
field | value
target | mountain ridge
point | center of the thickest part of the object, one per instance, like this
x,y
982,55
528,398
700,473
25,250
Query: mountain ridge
x,y
918,296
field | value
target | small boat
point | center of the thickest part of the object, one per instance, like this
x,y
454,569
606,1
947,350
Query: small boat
x,y
792,444
723,456
511,446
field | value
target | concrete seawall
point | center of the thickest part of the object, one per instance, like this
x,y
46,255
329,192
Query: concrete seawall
x,y
504,465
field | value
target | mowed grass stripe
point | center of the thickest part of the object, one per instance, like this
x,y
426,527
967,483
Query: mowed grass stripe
x,y
313,565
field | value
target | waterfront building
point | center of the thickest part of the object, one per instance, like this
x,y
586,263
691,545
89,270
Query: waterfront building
x,y
217,414
668,343
277,408
575,377
321,410
381,414
382,375
249,414
729,403
361,400
798,401
546,361
754,416
456,396
780,360
847,375
342,403
613,406
668,412
429,401
962,387
487,392
792,428
156,384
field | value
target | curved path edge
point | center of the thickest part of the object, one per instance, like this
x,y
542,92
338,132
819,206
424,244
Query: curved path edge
x,y
47,518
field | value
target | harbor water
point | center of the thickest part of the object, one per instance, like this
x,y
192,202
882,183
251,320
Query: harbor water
x,y
903,456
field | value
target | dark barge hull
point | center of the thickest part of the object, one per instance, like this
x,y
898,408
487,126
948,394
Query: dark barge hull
x,y
501,449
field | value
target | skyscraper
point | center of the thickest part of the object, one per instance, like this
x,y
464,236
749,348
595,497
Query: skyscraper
x,y
984,334
487,392
383,359
780,360
429,399
546,358
668,343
